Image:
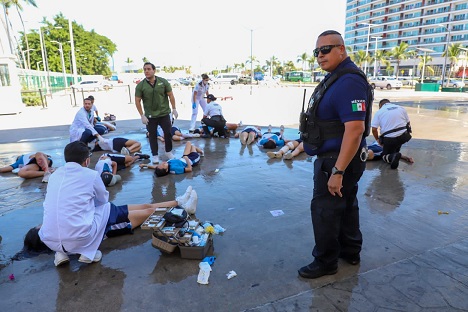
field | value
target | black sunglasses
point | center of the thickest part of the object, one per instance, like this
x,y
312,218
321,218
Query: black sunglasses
x,y
325,49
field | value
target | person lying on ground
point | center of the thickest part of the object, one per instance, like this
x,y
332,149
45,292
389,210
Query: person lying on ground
x,y
178,135
289,150
117,145
159,134
190,158
30,166
78,214
375,150
109,164
249,134
271,140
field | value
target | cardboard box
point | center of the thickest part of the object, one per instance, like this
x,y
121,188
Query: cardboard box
x,y
197,252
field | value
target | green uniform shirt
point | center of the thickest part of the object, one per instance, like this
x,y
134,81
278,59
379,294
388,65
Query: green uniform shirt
x,y
155,99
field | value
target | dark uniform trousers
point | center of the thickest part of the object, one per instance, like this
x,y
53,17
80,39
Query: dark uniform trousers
x,y
393,145
152,128
217,122
336,219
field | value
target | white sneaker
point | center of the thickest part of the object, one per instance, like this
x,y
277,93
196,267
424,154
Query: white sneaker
x,y
191,205
124,151
196,135
181,200
155,159
16,170
61,258
97,258
288,155
169,155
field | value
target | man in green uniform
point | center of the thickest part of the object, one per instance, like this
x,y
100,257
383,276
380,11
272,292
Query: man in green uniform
x,y
156,92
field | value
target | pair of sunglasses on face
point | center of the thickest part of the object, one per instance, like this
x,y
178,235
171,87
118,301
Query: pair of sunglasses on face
x,y
325,49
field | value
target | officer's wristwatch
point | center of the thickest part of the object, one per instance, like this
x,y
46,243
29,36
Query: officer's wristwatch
x,y
336,171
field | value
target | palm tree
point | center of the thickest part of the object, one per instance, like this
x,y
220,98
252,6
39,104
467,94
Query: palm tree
x,y
399,53
360,58
382,58
302,58
289,66
17,3
453,53
311,61
145,59
424,60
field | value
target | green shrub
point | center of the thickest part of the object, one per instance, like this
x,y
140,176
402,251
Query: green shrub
x,y
31,100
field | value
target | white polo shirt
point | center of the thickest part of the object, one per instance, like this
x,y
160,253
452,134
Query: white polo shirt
x,y
390,116
201,89
213,109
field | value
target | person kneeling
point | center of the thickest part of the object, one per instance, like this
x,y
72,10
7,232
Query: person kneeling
x,y
76,222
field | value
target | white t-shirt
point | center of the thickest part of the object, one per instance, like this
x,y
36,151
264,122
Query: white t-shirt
x,y
390,116
76,210
100,165
213,109
201,89
106,144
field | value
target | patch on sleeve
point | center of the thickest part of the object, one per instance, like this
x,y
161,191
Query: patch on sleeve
x,y
359,105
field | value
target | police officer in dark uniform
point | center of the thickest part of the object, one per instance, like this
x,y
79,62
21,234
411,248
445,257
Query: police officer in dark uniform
x,y
334,128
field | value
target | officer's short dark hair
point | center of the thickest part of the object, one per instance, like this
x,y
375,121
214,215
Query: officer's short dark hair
x,y
269,144
149,63
76,152
205,76
383,102
329,32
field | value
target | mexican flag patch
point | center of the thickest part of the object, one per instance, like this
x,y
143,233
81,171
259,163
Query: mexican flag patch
x,y
359,105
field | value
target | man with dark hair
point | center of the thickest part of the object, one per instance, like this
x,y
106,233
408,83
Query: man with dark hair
x,y
82,128
156,93
395,130
78,214
213,117
200,90
335,129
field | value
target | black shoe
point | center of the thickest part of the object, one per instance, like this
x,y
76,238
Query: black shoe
x,y
395,160
314,270
141,155
351,259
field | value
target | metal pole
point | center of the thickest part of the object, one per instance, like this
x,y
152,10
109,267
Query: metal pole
x,y
72,43
251,61
41,39
445,58
63,63
367,48
424,66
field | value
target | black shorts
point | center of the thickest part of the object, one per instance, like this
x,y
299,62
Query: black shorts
x,y
119,159
119,143
174,129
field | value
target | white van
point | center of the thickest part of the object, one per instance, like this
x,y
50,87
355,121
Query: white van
x,y
225,78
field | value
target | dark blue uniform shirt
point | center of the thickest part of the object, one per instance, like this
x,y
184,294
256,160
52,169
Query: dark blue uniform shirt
x,y
345,100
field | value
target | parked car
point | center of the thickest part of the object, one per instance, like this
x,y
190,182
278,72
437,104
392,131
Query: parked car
x,y
452,83
92,85
385,82
185,81
242,80
408,81
225,78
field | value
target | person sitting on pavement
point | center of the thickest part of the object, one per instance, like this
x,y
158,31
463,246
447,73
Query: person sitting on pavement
x,y
290,150
272,140
82,128
32,165
249,134
117,145
375,153
213,117
76,222
395,130
190,158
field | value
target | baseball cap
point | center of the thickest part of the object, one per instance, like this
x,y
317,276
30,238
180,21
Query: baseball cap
x,y
210,97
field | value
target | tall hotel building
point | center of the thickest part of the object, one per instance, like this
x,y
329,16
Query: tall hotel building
x,y
427,24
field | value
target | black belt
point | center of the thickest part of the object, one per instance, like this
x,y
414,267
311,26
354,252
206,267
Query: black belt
x,y
361,154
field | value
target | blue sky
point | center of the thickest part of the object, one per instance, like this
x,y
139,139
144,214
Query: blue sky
x,y
205,34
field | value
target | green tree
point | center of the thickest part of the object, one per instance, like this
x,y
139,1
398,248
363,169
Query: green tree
x,y
19,8
289,66
424,59
311,61
382,58
92,50
303,58
452,53
360,58
145,59
399,53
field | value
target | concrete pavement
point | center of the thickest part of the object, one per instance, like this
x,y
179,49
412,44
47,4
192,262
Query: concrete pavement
x,y
413,258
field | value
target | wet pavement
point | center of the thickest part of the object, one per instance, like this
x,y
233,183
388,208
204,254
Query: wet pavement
x,y
413,258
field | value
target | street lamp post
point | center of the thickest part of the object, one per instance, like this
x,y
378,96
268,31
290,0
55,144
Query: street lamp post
x,y
44,60
63,62
446,53
26,65
37,65
375,55
369,25
464,62
72,43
